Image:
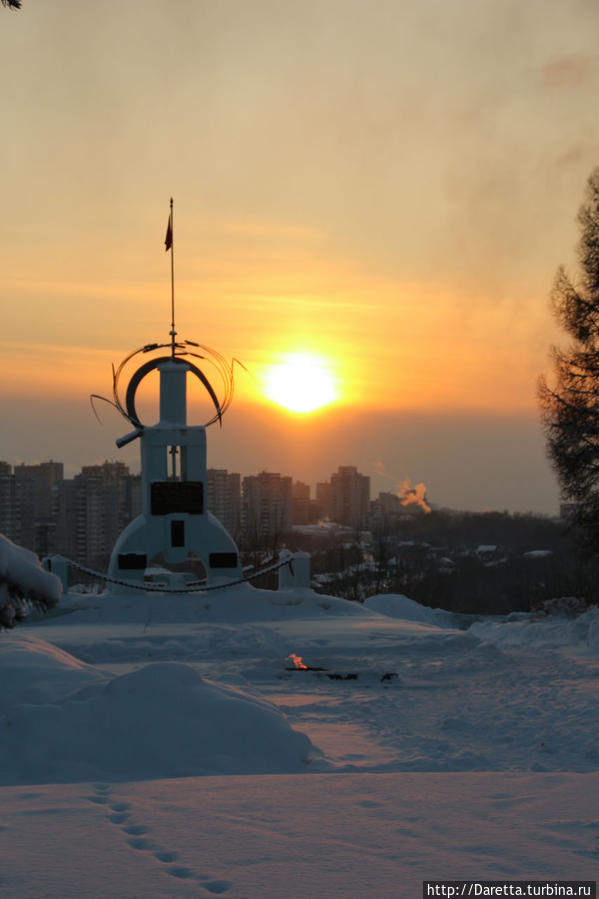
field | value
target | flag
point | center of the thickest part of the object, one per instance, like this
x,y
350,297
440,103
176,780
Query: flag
x,y
168,240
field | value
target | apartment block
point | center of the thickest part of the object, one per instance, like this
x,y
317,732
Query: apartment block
x,y
93,508
346,498
267,509
223,498
28,503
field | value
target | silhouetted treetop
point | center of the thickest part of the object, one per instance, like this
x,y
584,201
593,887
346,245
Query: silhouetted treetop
x,y
570,409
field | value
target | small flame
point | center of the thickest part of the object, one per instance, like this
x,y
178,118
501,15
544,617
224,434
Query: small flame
x,y
296,661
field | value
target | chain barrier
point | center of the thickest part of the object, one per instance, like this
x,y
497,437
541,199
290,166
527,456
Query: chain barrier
x,y
156,588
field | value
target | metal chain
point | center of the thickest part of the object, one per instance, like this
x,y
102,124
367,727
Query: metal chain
x,y
156,588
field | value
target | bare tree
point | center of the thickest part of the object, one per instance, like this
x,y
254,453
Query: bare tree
x,y
12,4
570,406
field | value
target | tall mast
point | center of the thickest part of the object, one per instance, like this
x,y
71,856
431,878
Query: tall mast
x,y
170,246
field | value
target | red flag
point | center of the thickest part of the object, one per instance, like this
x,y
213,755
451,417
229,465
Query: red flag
x,y
168,240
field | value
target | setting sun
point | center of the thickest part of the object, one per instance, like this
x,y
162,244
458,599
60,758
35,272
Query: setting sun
x,y
301,383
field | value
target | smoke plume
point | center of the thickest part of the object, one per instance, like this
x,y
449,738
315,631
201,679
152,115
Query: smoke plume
x,y
408,494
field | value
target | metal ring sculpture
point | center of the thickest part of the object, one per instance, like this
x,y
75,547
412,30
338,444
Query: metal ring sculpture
x,y
179,353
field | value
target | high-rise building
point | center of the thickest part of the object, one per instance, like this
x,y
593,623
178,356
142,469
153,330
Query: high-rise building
x,y
34,504
323,498
93,509
7,501
305,510
266,509
347,497
42,478
223,498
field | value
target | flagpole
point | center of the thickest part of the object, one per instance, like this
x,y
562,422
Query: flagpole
x,y
173,332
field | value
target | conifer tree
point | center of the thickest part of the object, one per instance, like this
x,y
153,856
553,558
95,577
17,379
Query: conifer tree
x,y
570,405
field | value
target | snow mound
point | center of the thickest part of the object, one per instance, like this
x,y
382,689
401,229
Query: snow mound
x,y
551,631
394,605
163,720
36,672
22,577
236,604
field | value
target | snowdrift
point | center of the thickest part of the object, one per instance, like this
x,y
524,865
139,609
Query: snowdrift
x,y
64,721
550,632
394,605
237,604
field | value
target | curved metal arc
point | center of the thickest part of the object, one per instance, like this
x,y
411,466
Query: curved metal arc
x,y
96,396
116,375
144,370
223,368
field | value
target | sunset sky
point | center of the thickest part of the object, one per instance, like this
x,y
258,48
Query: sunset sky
x,y
386,185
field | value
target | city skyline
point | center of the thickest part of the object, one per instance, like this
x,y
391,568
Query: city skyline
x,y
344,497
80,518
507,470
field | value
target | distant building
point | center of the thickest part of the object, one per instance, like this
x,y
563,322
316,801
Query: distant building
x,y
266,509
108,471
301,491
389,508
305,509
7,501
386,504
93,509
223,498
346,499
323,498
28,504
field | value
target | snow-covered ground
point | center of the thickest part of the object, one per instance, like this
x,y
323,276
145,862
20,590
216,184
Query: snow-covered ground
x,y
166,746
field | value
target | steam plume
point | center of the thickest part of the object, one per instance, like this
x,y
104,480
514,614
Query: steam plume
x,y
408,494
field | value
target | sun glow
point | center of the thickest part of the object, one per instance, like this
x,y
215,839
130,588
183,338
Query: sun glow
x,y
300,383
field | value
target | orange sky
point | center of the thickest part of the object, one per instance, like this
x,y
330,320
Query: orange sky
x,y
389,189
404,345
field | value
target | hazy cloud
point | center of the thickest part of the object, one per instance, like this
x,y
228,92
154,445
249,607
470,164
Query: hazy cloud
x,y
572,71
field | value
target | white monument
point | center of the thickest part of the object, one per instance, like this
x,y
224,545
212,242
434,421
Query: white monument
x,y
174,520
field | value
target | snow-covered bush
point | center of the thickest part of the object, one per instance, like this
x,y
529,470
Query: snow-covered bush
x,y
22,581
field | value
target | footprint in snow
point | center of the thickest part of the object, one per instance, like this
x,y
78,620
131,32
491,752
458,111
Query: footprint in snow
x,y
141,845
217,886
101,796
120,817
404,831
166,856
136,830
180,871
